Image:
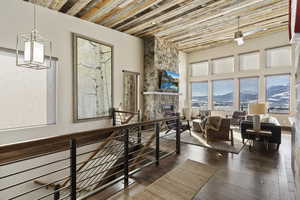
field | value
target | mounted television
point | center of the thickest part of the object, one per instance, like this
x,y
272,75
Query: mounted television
x,y
169,81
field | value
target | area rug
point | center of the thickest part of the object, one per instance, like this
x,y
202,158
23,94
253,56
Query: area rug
x,y
182,183
199,140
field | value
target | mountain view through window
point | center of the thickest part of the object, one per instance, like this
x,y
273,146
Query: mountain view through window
x,y
248,92
278,93
223,94
200,95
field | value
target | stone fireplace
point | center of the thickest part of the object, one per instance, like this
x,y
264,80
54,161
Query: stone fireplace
x,y
158,55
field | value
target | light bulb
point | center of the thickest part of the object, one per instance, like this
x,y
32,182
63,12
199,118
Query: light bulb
x,y
34,52
240,41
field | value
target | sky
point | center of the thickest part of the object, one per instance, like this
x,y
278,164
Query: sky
x,y
200,89
277,80
221,87
249,84
173,74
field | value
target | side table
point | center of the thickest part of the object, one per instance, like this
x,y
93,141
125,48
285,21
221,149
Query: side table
x,y
261,134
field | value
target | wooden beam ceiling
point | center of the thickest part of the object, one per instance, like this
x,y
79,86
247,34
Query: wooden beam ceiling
x,y
190,24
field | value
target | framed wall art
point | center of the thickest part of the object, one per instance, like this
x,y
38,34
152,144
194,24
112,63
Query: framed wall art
x,y
92,74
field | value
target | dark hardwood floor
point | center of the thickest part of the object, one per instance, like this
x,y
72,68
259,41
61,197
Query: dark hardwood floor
x,y
255,175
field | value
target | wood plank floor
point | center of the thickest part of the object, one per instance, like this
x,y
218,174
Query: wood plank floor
x,y
256,175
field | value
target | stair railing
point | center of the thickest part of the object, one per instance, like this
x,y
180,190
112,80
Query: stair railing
x,y
78,165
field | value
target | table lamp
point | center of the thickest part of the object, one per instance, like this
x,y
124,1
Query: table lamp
x,y
256,109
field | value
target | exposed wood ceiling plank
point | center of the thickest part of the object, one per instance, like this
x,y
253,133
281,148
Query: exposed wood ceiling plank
x,y
95,9
189,24
148,15
57,4
213,16
258,15
135,9
218,30
224,42
107,7
107,15
44,3
225,33
79,5
192,16
166,16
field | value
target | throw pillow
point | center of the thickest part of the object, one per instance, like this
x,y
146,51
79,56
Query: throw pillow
x,y
274,121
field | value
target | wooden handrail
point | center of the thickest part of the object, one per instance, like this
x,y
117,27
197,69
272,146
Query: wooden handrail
x,y
43,146
126,112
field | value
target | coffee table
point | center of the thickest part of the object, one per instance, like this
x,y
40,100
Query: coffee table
x,y
261,134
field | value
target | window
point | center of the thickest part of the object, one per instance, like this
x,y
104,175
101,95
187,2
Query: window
x,y
223,65
248,92
279,57
223,94
200,69
200,95
249,61
278,93
28,97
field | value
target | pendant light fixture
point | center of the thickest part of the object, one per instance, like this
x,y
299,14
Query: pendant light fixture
x,y
32,48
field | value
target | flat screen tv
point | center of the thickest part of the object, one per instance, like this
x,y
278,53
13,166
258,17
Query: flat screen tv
x,y
169,81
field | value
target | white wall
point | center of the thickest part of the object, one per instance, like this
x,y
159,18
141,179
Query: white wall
x,y
258,44
17,17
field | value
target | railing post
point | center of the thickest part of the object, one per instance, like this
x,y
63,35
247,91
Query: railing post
x,y
126,157
139,128
73,170
157,131
56,192
178,133
113,111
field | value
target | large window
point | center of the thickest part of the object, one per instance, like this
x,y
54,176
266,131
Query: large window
x,y
279,57
248,92
223,65
200,69
28,97
223,94
278,93
200,95
249,61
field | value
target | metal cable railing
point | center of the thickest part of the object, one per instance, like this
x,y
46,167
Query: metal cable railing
x,y
78,165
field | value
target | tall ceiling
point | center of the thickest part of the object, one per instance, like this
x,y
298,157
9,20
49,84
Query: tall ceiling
x,y
190,24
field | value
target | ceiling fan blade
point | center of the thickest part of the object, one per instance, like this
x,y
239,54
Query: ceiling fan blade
x,y
254,31
225,37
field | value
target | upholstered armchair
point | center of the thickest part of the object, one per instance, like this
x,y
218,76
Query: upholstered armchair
x,y
237,117
218,128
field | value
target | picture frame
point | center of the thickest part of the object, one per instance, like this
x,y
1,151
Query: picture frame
x,y
92,79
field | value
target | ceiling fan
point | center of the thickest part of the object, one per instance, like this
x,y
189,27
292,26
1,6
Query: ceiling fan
x,y
239,35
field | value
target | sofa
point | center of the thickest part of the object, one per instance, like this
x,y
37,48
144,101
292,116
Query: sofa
x,y
274,129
